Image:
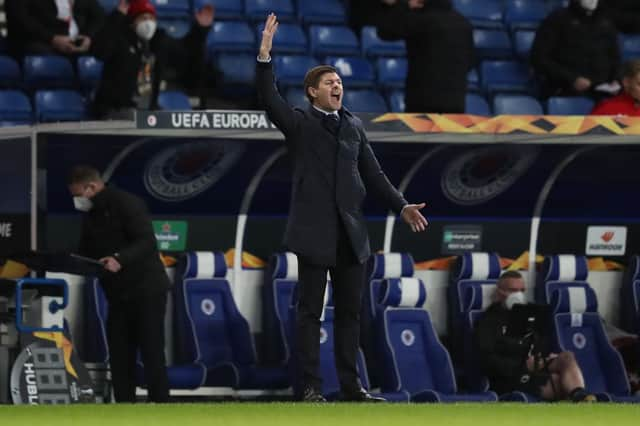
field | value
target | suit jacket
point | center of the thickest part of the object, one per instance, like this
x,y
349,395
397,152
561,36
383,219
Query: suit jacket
x,y
332,172
119,225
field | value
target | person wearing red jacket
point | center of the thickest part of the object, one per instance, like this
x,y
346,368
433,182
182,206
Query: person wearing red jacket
x,y
628,101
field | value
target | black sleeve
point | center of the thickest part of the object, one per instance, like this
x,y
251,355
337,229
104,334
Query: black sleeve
x,y
615,60
542,58
188,51
278,110
376,180
18,12
499,355
138,229
105,41
84,246
95,19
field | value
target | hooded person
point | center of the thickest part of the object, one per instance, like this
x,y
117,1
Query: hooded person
x,y
137,55
440,52
576,52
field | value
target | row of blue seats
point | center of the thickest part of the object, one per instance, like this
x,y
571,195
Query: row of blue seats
x,y
63,105
308,11
510,14
69,105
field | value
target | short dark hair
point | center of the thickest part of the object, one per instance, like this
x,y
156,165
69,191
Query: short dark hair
x,y
509,274
313,76
631,68
83,174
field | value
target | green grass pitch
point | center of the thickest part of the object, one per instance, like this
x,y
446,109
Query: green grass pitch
x,y
285,414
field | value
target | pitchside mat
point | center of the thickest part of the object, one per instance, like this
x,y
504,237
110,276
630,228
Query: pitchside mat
x,y
285,414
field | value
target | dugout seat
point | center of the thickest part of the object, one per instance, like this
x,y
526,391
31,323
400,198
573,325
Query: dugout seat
x,y
414,360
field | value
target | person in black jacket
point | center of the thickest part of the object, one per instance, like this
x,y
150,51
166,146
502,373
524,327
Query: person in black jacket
x,y
136,56
334,167
576,52
117,230
440,52
508,359
49,26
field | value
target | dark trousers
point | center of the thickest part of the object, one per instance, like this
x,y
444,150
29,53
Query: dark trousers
x,y
132,325
347,279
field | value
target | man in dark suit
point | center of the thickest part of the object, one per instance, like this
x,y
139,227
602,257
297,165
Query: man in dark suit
x,y
334,166
117,230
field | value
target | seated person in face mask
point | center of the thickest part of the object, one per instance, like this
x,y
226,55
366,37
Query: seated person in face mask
x,y
136,56
508,360
576,52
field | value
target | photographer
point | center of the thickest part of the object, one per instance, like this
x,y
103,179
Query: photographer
x,y
516,358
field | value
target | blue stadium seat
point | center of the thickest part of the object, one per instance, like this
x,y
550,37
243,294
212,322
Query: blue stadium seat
x,y
516,105
225,9
392,72
321,12
291,69
59,105
257,10
355,71
630,46
473,81
230,36
414,360
492,44
48,72
470,269
524,14
523,40
238,73
396,101
172,8
10,74
108,5
364,101
296,97
15,108
372,45
176,28
280,281
476,104
559,105
328,40
175,100
224,343
289,39
559,271
505,76
580,330
379,268
482,14
630,297
89,72
328,372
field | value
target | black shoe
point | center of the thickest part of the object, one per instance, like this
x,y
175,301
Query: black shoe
x,y
311,395
361,396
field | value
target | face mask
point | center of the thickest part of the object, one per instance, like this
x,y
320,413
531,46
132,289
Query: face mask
x,y
516,298
146,29
82,203
589,5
